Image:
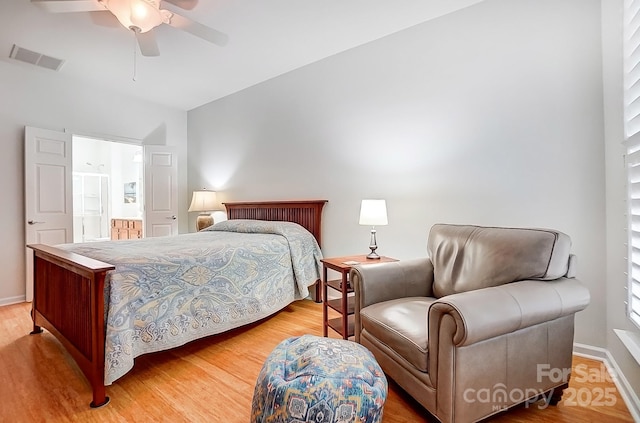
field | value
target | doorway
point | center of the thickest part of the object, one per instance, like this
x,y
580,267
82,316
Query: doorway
x,y
107,185
48,185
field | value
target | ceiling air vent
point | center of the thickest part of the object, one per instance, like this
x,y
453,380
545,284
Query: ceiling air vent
x,y
28,56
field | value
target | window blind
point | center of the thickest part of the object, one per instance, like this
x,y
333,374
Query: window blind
x,y
631,66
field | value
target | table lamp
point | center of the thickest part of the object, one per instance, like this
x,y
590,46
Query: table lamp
x,y
205,202
373,213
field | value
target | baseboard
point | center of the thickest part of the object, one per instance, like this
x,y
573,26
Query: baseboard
x,y
12,300
622,384
589,351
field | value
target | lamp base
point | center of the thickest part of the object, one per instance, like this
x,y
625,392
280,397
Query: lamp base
x,y
373,246
373,256
203,220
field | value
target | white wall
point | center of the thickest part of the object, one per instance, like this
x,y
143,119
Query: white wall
x,y
492,115
37,97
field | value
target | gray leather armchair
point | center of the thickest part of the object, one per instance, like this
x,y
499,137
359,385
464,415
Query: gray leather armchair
x,y
484,323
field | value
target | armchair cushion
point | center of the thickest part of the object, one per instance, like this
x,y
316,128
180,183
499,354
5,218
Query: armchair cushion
x,y
467,258
401,324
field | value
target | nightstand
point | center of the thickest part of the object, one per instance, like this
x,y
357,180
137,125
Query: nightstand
x,y
344,305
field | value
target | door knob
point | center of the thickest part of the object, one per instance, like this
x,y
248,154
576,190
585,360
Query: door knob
x,y
33,222
172,217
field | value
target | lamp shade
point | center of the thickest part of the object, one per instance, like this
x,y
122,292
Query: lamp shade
x,y
203,201
373,212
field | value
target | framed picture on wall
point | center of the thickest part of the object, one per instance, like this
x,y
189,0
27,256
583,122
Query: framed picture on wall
x,y
130,193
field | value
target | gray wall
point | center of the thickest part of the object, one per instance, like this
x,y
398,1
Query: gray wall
x,y
492,115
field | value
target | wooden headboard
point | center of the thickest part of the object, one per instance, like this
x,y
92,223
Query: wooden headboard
x,y
305,213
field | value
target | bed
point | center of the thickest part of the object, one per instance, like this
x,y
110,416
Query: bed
x,y
110,302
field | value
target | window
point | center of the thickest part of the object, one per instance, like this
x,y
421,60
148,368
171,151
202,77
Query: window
x,y
631,66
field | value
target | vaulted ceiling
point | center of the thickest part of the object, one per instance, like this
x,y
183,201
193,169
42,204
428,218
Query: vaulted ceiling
x,y
266,38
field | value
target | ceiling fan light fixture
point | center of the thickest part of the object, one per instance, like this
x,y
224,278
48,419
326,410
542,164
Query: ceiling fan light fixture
x,y
141,15
139,11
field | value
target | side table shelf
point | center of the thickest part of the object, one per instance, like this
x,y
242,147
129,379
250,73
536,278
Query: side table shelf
x,y
344,324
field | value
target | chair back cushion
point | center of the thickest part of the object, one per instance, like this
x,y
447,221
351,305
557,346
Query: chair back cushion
x,y
468,257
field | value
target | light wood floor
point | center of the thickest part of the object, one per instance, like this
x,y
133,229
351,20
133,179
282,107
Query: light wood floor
x,y
209,380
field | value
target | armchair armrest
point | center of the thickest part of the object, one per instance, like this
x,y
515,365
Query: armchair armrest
x,y
374,283
490,312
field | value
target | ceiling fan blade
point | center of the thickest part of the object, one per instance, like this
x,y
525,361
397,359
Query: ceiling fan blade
x,y
209,34
66,6
147,43
105,19
184,4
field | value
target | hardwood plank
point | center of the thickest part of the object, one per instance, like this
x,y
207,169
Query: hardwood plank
x,y
212,380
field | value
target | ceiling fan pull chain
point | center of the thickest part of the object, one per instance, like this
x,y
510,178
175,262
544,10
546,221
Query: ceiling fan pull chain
x,y
135,46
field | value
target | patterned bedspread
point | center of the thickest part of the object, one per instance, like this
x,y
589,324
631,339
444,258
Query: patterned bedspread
x,y
168,291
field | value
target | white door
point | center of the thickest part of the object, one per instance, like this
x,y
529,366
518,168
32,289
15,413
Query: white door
x,y
160,191
48,192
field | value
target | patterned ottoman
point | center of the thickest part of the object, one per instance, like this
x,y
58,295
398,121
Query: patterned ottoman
x,y
315,379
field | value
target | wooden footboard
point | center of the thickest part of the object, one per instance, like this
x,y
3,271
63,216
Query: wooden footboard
x,y
68,301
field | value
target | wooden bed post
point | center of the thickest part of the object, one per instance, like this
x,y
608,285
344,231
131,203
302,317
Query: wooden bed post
x,y
68,301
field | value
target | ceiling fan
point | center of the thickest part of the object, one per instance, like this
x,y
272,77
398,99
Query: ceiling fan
x,y
141,17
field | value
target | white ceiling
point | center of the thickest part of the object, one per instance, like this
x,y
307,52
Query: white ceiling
x,y
266,38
